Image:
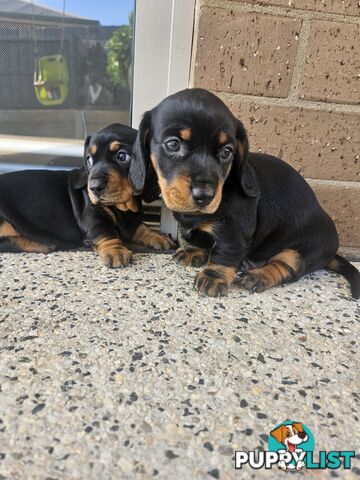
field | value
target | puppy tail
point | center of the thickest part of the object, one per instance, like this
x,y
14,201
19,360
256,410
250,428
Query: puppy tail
x,y
340,265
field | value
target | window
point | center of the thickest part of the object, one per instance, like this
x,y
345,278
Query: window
x,y
65,70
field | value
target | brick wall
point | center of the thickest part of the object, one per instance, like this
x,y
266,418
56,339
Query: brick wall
x,y
290,69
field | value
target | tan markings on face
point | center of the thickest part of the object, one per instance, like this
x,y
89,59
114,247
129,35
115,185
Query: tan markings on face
x,y
148,237
118,193
27,245
114,146
185,134
223,138
177,194
92,150
7,230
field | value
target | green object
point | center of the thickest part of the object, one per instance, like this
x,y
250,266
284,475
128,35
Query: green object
x,y
51,80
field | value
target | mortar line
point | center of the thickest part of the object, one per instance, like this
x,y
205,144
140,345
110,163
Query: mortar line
x,y
304,36
333,183
290,102
274,10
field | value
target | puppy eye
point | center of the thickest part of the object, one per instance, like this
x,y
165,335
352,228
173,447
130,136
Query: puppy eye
x,y
173,145
226,153
89,161
122,156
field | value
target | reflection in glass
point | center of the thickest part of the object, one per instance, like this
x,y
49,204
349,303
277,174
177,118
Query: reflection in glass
x,y
62,75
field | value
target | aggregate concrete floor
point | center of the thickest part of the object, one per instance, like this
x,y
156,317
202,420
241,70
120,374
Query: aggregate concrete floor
x,y
128,374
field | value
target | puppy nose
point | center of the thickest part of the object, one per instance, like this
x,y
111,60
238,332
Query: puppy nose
x,y
203,195
302,435
97,185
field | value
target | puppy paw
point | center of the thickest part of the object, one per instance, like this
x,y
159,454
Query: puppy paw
x,y
117,258
253,281
148,237
196,257
113,253
214,281
159,241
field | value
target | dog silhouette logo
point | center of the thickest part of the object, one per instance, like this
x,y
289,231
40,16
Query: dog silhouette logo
x,y
291,440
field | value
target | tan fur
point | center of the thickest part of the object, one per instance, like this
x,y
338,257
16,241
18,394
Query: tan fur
x,y
207,228
30,246
148,237
118,193
223,138
7,230
92,150
333,265
114,146
185,134
191,256
113,252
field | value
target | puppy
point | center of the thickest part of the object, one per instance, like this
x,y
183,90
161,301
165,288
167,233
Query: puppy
x,y
42,211
291,436
234,208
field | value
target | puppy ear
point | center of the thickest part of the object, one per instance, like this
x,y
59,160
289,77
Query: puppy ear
x,y
279,434
298,426
244,172
79,178
141,156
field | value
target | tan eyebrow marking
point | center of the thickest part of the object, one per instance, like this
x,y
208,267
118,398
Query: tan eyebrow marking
x,y
185,133
114,146
92,150
223,138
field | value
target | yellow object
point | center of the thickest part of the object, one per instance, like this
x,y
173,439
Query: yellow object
x,y
51,80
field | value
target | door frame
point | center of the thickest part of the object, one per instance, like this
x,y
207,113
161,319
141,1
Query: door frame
x,y
161,61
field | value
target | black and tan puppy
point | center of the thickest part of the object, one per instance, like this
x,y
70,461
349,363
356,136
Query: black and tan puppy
x,y
235,209
42,211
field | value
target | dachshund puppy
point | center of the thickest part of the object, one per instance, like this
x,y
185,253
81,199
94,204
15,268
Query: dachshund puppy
x,y
42,211
235,209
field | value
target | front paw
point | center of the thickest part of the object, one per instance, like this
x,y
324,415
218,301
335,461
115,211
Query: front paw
x,y
254,281
160,241
148,237
214,281
113,253
117,259
196,257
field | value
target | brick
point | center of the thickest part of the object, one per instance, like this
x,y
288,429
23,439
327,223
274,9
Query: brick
x,y
332,65
319,144
344,7
343,204
245,52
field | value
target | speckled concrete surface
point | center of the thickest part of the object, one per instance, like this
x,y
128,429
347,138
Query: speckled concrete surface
x,y
129,374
